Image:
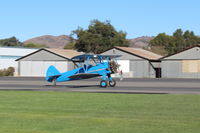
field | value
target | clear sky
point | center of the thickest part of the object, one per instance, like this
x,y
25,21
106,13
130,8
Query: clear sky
x,y
30,18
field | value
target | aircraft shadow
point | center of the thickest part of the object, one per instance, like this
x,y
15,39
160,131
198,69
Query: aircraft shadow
x,y
72,86
132,92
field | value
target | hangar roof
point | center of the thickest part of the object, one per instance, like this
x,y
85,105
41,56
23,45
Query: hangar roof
x,y
61,53
68,53
191,52
140,52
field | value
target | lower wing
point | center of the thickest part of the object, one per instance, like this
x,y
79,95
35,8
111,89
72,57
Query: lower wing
x,y
84,75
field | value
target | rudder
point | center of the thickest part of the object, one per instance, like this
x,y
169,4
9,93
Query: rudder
x,y
52,73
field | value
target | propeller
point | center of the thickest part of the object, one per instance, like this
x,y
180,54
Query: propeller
x,y
114,68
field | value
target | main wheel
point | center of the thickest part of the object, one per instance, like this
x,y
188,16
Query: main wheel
x,y
112,83
103,83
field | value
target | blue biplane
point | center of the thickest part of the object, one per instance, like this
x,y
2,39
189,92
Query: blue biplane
x,y
87,66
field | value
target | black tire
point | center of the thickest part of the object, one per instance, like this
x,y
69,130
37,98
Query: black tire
x,y
103,83
112,83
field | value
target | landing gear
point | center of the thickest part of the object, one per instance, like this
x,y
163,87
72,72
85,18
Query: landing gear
x,y
54,81
109,79
103,83
112,83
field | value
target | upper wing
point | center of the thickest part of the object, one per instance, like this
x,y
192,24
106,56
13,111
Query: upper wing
x,y
83,57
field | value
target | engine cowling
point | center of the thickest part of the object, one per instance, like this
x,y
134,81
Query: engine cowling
x,y
114,66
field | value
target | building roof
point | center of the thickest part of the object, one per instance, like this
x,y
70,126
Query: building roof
x,y
198,45
140,52
64,53
67,53
16,51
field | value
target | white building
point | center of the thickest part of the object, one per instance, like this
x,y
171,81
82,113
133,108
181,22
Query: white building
x,y
8,55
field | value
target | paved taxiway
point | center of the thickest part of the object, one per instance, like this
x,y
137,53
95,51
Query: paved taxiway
x,y
135,85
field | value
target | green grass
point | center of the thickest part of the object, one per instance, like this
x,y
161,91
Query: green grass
x,y
60,112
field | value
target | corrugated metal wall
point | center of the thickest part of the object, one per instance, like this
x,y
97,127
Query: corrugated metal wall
x,y
171,69
38,63
39,68
185,64
141,68
175,69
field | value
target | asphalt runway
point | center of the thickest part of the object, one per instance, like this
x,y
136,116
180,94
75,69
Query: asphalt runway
x,y
129,85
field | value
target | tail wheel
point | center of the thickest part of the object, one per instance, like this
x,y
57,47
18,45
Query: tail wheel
x,y
103,83
112,83
54,81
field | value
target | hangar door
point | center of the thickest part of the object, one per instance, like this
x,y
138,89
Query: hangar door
x,y
124,65
39,68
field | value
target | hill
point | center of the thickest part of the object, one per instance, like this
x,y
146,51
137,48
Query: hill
x,y
62,40
50,41
140,42
143,42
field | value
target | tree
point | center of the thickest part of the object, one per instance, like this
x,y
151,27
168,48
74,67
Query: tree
x,y
160,44
99,37
178,41
71,43
190,38
161,40
13,41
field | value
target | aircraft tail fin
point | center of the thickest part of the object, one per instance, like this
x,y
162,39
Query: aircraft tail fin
x,y
52,73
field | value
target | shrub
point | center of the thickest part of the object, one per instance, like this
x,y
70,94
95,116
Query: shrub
x,y
7,72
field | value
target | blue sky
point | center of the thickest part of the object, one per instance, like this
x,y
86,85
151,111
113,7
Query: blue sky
x,y
30,18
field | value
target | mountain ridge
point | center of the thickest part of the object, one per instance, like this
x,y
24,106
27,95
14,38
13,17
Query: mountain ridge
x,y
50,40
62,40
140,42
